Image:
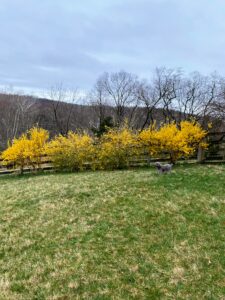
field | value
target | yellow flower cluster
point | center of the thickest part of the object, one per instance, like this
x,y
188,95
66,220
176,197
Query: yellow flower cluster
x,y
73,152
176,141
115,148
27,150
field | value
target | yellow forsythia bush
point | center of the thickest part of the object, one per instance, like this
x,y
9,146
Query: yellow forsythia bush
x,y
116,148
73,152
26,150
178,142
38,138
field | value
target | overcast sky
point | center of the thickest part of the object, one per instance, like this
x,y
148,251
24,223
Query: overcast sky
x,y
44,42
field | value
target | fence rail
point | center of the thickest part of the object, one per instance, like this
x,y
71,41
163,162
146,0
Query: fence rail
x,y
134,162
216,148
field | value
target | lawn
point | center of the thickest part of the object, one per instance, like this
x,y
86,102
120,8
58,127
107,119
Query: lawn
x,y
114,235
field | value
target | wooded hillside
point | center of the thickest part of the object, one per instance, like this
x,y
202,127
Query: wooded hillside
x,y
116,97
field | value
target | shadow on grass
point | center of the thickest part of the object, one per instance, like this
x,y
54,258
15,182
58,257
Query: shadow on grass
x,y
179,171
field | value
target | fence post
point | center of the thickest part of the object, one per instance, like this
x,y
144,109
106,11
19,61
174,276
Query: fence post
x,y
200,155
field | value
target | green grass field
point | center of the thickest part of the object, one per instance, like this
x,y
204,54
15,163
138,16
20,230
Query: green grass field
x,y
114,235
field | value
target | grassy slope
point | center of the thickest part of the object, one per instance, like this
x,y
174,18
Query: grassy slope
x,y
114,235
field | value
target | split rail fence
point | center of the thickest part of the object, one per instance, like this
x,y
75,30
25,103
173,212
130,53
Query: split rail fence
x,y
214,154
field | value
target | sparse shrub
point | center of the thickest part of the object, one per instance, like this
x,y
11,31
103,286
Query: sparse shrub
x,y
117,147
73,152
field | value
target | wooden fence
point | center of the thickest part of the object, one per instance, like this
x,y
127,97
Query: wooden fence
x,y
214,154
216,148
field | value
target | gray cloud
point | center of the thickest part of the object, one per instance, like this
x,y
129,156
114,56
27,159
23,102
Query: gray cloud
x,y
44,42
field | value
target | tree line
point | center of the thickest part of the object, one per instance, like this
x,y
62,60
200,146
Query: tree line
x,y
168,96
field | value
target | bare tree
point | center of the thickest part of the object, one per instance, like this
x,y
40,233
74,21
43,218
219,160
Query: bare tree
x,y
196,96
63,104
182,98
159,95
218,105
119,90
98,101
17,115
167,84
